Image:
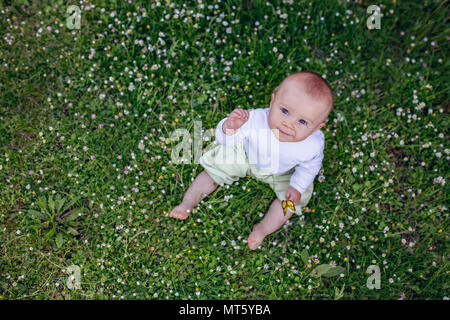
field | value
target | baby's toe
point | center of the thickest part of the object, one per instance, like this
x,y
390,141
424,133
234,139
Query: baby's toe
x,y
179,213
254,240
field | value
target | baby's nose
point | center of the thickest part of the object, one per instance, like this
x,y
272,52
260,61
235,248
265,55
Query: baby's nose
x,y
288,125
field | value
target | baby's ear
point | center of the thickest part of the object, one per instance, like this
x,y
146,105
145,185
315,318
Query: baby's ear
x,y
322,125
272,99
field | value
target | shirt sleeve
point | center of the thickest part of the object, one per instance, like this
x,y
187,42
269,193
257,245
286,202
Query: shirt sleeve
x,y
305,172
239,135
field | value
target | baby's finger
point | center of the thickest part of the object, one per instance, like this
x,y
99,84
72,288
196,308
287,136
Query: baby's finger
x,y
245,115
234,112
288,195
241,113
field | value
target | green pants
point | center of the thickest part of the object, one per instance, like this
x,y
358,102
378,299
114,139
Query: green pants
x,y
226,165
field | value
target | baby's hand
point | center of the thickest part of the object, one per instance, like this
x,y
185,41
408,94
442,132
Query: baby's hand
x,y
293,195
235,120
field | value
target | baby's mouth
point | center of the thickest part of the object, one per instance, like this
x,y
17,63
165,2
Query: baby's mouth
x,y
285,133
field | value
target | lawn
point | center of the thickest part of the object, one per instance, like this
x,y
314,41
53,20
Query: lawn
x,y
87,116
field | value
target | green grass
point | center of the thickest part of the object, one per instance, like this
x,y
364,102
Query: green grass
x,y
383,202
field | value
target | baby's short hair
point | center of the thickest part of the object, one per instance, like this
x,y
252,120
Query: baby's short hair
x,y
314,86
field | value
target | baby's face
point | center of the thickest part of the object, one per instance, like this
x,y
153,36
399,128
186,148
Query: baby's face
x,y
295,114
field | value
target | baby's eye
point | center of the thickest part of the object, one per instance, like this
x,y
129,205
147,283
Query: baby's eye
x,y
303,122
285,111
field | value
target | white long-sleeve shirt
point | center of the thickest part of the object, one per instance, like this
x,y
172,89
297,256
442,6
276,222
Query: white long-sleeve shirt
x,y
268,154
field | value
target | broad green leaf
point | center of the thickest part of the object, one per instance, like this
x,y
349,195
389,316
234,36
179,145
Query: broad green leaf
x,y
71,203
51,204
71,223
50,233
193,103
202,98
59,204
41,203
73,215
72,231
334,271
36,214
338,294
320,270
305,256
59,240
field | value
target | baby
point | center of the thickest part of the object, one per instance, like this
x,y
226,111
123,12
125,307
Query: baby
x,y
281,145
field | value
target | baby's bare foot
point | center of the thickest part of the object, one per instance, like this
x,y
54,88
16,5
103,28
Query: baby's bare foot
x,y
180,212
256,237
